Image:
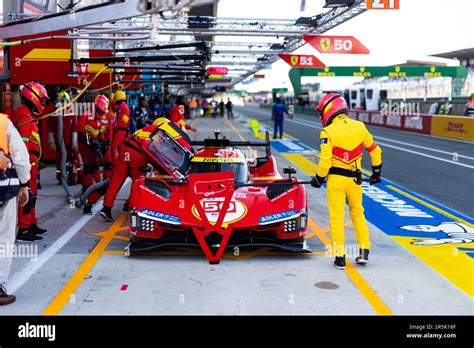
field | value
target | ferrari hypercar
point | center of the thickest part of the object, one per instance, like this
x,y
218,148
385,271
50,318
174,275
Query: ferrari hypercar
x,y
209,196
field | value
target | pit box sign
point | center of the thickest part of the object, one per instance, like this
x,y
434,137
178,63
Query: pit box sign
x,y
302,60
383,4
336,44
216,70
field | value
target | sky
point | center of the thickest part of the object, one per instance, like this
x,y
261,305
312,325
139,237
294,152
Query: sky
x,y
420,28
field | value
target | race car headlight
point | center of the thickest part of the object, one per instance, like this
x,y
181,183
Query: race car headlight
x,y
296,224
140,223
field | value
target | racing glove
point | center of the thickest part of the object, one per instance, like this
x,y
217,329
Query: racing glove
x,y
317,181
375,178
103,147
94,144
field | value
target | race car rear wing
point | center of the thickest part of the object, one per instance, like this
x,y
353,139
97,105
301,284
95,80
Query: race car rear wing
x,y
224,142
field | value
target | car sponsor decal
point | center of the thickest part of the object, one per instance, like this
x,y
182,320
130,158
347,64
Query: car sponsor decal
x,y
217,160
212,208
276,217
159,216
290,146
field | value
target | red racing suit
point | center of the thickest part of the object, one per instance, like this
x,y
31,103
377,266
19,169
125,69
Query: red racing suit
x,y
91,133
109,123
29,133
177,117
128,163
122,121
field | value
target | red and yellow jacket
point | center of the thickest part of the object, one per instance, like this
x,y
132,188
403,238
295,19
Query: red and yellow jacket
x,y
28,131
342,143
97,128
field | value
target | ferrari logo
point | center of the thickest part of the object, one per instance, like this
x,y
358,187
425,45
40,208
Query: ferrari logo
x,y
294,60
397,68
325,44
326,69
433,69
362,69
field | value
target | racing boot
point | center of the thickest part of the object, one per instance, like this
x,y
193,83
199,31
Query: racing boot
x,y
106,213
26,236
87,210
5,298
363,257
340,262
36,229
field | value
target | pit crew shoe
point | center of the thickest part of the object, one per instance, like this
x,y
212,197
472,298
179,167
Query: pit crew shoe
x,y
87,210
363,257
26,236
106,213
36,229
126,208
340,262
5,298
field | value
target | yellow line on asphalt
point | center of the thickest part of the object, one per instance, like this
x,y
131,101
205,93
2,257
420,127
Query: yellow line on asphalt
x,y
58,303
360,283
426,204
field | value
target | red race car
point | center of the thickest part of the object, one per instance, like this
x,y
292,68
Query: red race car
x,y
214,199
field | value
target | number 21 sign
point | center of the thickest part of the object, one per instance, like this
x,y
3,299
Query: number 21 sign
x,y
383,4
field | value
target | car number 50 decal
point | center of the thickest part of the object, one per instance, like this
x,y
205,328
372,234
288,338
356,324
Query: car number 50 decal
x,y
212,208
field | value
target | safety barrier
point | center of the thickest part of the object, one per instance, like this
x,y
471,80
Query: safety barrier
x,y
456,127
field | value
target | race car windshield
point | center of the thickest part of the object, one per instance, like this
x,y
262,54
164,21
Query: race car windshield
x,y
169,153
239,169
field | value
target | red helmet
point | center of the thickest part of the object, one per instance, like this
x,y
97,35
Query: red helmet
x,y
101,105
331,105
36,94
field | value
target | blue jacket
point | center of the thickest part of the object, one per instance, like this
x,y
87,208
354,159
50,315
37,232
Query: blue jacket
x,y
279,110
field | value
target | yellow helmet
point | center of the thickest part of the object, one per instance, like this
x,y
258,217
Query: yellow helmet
x,y
159,121
119,95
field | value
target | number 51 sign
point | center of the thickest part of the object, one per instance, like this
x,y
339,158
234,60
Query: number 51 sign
x,y
302,60
383,4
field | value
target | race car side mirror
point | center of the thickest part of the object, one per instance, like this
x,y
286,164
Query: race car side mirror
x,y
146,169
289,170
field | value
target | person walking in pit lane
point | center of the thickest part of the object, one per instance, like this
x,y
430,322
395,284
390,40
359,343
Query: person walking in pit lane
x,y
342,140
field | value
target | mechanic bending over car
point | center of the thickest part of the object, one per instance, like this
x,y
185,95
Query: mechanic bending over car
x,y
342,140
130,161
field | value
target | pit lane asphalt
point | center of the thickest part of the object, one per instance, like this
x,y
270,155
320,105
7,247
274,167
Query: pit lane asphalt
x,y
407,158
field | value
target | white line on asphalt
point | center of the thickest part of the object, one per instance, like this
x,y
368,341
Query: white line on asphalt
x,y
395,147
20,277
422,147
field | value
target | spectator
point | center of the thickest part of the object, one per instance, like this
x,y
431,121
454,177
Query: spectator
x,y
434,108
15,168
470,107
229,106
141,113
221,108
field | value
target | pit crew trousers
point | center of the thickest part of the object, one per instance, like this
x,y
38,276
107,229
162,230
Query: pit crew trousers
x,y
7,237
27,213
128,163
339,190
90,160
278,126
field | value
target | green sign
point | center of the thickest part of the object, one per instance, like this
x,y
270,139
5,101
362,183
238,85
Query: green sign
x,y
295,74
